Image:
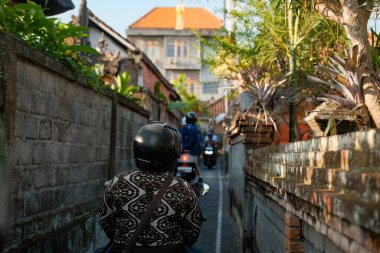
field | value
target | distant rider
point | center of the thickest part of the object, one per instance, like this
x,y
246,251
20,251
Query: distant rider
x,y
192,138
211,139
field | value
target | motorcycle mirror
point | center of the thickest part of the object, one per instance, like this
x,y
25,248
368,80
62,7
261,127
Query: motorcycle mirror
x,y
201,189
206,188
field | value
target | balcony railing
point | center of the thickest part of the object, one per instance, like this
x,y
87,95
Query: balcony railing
x,y
182,63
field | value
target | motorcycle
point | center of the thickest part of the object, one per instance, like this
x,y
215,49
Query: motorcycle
x,y
186,166
209,156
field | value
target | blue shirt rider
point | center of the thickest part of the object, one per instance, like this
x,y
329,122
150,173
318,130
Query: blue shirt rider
x,y
192,138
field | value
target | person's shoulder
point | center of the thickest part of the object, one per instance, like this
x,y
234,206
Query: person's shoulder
x,y
194,128
127,173
181,181
122,176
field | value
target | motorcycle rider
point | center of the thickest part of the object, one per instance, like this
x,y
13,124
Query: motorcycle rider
x,y
177,220
192,138
211,139
210,150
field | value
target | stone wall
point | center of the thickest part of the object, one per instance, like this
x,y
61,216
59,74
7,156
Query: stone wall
x,y
321,195
62,142
159,109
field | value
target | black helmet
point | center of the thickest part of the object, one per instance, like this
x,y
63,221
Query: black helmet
x,y
157,147
191,117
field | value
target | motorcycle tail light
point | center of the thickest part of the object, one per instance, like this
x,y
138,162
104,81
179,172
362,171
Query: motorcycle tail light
x,y
185,157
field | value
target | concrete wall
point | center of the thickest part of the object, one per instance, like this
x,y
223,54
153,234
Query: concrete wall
x,y
62,141
3,180
236,177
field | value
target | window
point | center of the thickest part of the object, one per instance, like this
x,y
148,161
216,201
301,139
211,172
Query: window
x,y
152,49
170,49
178,52
140,79
192,88
177,49
210,88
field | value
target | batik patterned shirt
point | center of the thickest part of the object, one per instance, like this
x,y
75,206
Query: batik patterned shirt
x,y
177,219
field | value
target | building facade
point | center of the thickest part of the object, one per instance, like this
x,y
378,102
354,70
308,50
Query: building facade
x,y
122,55
168,38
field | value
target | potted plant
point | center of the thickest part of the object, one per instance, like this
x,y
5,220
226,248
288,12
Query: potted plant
x,y
259,104
343,109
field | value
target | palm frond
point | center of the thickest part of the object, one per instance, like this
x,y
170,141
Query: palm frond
x,y
344,76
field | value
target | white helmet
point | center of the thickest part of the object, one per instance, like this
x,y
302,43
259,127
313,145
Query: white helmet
x,y
183,122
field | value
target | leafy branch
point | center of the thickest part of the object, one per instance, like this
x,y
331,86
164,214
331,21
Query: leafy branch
x,y
28,22
123,87
189,102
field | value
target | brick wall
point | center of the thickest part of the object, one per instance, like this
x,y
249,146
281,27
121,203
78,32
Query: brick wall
x,y
329,185
320,195
62,142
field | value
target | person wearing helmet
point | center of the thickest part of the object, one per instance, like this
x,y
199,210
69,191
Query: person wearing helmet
x,y
176,221
211,139
192,138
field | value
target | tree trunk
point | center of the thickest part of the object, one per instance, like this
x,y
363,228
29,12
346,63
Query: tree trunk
x,y
292,29
355,20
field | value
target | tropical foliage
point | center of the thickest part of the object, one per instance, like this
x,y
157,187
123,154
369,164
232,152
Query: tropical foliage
x,y
124,88
157,90
344,76
261,37
189,102
28,22
272,38
375,51
268,93
354,15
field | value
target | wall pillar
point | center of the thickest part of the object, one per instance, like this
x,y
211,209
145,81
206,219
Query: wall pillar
x,y
294,242
247,242
246,136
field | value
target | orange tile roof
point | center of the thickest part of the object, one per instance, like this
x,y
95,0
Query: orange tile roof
x,y
165,18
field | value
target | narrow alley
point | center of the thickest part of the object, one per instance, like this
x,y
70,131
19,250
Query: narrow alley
x,y
103,102
218,233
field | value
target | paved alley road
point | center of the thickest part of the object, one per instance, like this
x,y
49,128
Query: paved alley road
x,y
218,233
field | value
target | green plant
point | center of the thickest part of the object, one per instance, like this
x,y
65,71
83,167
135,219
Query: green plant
x,y
158,93
345,77
28,22
375,50
269,94
189,102
123,88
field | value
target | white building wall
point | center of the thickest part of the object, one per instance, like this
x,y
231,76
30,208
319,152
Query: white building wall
x,y
95,35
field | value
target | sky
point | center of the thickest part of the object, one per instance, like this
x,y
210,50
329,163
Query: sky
x,y
119,14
